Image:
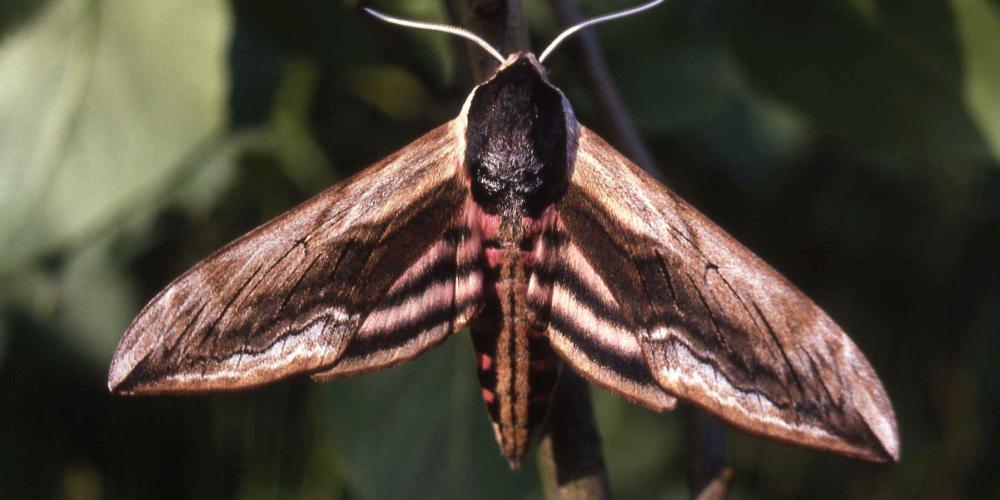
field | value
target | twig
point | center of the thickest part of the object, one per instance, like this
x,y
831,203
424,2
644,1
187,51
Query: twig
x,y
717,488
710,476
500,22
570,462
569,456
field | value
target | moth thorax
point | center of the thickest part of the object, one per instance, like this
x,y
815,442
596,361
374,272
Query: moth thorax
x,y
516,141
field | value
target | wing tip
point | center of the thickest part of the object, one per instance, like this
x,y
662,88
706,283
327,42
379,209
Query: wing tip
x,y
117,389
117,374
879,452
124,363
886,448
118,378
876,411
892,453
895,450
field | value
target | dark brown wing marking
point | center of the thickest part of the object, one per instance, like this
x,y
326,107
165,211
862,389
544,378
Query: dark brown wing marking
x,y
289,296
719,327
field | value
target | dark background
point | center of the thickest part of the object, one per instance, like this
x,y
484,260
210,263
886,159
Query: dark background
x,y
853,145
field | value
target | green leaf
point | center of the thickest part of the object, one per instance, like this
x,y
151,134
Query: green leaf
x,y
96,302
679,76
978,23
390,89
886,75
101,103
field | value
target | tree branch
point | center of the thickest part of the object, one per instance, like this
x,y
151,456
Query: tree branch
x,y
569,456
709,473
500,22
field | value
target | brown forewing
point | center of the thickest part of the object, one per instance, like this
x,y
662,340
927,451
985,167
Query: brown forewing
x,y
717,326
289,296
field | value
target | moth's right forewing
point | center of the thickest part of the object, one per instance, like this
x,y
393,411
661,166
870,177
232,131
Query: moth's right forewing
x,y
289,296
719,327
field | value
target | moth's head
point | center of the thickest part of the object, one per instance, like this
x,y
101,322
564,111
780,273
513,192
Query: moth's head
x,y
523,63
523,58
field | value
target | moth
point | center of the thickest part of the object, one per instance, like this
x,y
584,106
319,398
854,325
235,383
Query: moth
x,y
517,222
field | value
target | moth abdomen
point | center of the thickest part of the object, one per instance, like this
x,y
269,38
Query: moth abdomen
x,y
517,367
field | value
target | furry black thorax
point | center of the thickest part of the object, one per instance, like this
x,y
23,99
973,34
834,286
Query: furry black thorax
x,y
516,141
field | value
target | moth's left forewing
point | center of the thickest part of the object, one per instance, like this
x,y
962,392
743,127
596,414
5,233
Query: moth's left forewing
x,y
290,296
718,327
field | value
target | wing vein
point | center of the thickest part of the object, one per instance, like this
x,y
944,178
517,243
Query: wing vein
x,y
225,309
781,349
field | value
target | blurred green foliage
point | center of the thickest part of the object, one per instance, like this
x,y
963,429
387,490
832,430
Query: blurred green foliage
x,y
853,145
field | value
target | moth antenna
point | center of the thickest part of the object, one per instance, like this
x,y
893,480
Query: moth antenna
x,y
444,28
597,20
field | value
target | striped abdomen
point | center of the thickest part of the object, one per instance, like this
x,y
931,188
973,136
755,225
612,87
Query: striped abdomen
x,y
517,367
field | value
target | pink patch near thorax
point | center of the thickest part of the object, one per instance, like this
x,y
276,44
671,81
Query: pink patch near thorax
x,y
485,362
488,396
